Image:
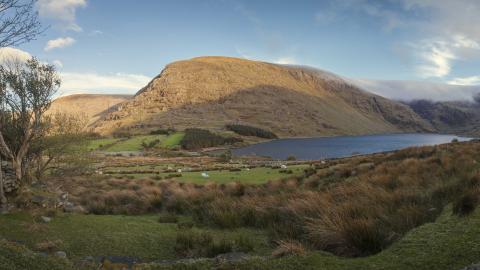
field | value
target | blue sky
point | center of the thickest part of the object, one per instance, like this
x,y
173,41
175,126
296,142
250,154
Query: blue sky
x,y
118,45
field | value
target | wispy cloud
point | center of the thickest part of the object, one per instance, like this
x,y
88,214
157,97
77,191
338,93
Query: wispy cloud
x,y
472,80
286,61
59,43
62,11
78,82
437,56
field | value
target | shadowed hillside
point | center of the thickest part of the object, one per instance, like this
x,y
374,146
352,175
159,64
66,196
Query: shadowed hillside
x,y
288,100
450,117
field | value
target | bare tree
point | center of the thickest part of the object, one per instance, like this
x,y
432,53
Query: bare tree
x,y
18,22
26,92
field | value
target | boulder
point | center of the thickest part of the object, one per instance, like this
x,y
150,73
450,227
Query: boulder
x,y
75,209
45,219
61,254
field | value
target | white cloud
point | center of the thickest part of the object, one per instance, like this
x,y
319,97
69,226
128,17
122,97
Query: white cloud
x,y
95,33
285,61
63,11
100,83
411,90
437,55
59,43
12,54
472,80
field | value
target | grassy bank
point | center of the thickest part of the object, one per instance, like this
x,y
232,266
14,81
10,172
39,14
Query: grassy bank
x,y
142,237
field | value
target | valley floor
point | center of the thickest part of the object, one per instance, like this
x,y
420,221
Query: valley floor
x,y
396,211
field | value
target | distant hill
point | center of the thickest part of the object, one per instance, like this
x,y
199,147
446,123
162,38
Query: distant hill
x,y
291,101
92,106
450,116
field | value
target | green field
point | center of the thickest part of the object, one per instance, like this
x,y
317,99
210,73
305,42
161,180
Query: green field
x,y
253,176
173,140
134,143
99,143
141,237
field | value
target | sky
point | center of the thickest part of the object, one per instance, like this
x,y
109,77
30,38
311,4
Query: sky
x,y
118,46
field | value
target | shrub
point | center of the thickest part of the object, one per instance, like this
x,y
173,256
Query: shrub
x,y
196,138
150,144
251,131
466,204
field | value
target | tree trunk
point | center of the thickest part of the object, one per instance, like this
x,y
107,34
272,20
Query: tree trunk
x,y
18,166
3,198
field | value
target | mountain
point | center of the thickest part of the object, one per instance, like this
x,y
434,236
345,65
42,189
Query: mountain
x,y
91,106
291,101
460,117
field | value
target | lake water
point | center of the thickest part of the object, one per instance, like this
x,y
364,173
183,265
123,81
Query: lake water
x,y
342,146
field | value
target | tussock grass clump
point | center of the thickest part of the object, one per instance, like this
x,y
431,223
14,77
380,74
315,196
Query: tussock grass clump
x,y
467,203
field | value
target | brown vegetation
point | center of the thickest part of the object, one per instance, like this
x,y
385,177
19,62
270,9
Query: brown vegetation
x,y
351,207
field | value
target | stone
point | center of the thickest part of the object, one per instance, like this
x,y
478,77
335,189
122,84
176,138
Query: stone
x,y
45,219
75,209
39,200
61,254
232,257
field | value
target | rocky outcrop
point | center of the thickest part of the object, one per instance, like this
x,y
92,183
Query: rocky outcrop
x,y
9,182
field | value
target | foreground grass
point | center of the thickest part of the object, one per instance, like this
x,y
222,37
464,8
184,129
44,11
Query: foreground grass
x,y
450,243
17,257
141,237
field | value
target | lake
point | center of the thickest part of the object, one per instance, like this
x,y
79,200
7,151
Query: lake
x,y
341,146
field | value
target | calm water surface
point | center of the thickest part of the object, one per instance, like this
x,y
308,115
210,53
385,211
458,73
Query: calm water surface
x,y
342,146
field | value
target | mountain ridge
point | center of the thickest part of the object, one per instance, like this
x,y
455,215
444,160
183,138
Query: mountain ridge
x,y
291,101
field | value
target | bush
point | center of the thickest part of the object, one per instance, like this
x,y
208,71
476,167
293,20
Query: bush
x,y
151,144
251,131
196,138
466,204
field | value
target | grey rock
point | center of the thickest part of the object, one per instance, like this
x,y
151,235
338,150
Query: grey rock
x,y
232,257
472,267
70,208
39,200
61,254
45,219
